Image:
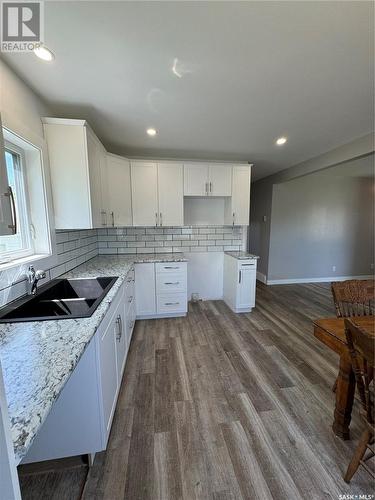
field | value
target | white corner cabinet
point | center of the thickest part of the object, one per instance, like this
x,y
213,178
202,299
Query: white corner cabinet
x,y
237,207
77,165
161,290
239,283
80,420
157,193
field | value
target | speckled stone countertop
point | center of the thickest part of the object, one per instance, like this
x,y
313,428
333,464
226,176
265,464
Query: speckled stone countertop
x,y
38,357
242,255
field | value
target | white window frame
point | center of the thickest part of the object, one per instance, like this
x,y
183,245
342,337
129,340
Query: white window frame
x,y
39,194
23,213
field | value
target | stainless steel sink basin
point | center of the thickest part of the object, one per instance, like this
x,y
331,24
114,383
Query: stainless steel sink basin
x,y
59,299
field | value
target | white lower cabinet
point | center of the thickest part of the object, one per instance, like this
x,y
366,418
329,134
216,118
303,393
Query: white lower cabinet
x,y
111,351
161,289
81,418
239,283
145,297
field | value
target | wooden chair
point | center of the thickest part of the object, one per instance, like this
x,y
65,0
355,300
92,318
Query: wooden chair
x,y
353,298
362,352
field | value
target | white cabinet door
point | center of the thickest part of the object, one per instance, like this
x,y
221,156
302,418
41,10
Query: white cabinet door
x,y
93,154
119,188
145,298
171,194
246,288
220,180
144,193
241,195
121,340
108,372
196,179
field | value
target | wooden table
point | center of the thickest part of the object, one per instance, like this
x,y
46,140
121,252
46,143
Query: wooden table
x,y
331,332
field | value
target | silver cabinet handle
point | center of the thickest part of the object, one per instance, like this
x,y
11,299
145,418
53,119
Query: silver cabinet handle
x,y
172,283
234,215
156,218
206,188
104,217
12,202
242,265
171,267
113,219
161,219
240,277
119,324
171,303
210,187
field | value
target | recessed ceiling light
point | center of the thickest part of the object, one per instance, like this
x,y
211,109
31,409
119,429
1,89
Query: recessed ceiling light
x,y
44,53
281,140
151,132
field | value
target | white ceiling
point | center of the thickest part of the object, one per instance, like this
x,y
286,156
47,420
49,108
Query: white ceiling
x,y
251,72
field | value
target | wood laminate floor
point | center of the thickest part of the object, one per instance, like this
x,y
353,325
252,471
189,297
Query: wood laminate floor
x,y
224,406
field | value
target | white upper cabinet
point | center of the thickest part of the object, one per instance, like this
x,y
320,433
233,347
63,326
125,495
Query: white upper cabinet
x,y
75,155
220,180
237,207
157,193
144,180
118,185
202,179
170,194
95,159
196,179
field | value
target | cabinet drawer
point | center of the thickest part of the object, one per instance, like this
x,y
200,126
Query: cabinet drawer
x,y
130,321
170,282
129,289
171,303
129,294
247,264
170,267
130,276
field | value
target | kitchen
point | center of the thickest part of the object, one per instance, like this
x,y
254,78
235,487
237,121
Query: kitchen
x,y
155,339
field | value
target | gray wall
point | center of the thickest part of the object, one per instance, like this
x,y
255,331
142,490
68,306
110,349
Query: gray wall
x,y
317,217
323,220
259,230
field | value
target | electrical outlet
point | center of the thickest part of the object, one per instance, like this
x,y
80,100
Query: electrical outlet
x,y
264,218
334,269
372,266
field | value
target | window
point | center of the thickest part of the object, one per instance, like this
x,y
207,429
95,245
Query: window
x,y
22,174
20,244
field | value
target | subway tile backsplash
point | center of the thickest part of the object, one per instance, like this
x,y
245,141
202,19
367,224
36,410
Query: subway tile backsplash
x,y
169,239
73,248
76,247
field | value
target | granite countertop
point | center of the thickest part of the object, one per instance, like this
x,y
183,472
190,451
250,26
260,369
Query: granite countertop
x,y
242,255
38,357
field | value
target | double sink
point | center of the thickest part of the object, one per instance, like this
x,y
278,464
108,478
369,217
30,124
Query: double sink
x,y
59,299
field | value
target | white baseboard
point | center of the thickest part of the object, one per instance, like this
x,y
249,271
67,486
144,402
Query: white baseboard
x,y
262,277
317,280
